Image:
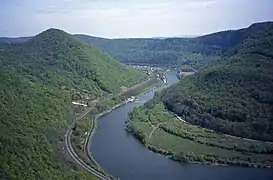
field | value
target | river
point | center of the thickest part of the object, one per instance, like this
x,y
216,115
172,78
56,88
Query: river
x,y
124,157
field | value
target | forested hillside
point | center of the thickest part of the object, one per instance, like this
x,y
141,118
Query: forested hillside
x,y
125,50
39,79
195,52
56,58
233,97
33,119
232,38
159,52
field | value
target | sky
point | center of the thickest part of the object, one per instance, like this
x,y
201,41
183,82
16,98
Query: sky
x,y
130,18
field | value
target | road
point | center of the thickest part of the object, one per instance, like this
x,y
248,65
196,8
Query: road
x,y
73,154
87,144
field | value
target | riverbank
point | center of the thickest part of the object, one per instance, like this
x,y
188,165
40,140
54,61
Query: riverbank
x,y
162,133
81,137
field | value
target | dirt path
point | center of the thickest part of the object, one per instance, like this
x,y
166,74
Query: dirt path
x,y
154,129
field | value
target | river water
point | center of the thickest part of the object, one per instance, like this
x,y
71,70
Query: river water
x,y
124,157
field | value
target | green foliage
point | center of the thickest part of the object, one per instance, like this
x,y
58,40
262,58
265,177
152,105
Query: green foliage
x,y
81,128
38,80
161,52
33,119
234,99
79,135
108,103
236,95
56,58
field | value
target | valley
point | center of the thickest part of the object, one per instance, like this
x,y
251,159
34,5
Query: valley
x,y
219,111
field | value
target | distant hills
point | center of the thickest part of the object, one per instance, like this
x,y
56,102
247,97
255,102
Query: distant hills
x,y
14,40
196,52
39,79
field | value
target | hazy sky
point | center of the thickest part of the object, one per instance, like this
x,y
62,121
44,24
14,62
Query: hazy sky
x,y
131,18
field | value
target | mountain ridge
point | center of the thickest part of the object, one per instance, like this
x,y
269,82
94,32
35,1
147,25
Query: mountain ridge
x,y
196,52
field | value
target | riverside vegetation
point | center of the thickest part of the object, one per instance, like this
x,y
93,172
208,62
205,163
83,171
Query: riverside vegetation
x,y
162,132
233,97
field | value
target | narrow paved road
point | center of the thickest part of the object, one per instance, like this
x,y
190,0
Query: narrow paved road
x,y
87,143
73,154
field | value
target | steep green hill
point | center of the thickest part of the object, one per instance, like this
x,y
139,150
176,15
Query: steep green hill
x,y
235,96
38,80
56,58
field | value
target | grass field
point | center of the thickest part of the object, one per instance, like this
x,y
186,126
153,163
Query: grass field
x,y
163,132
